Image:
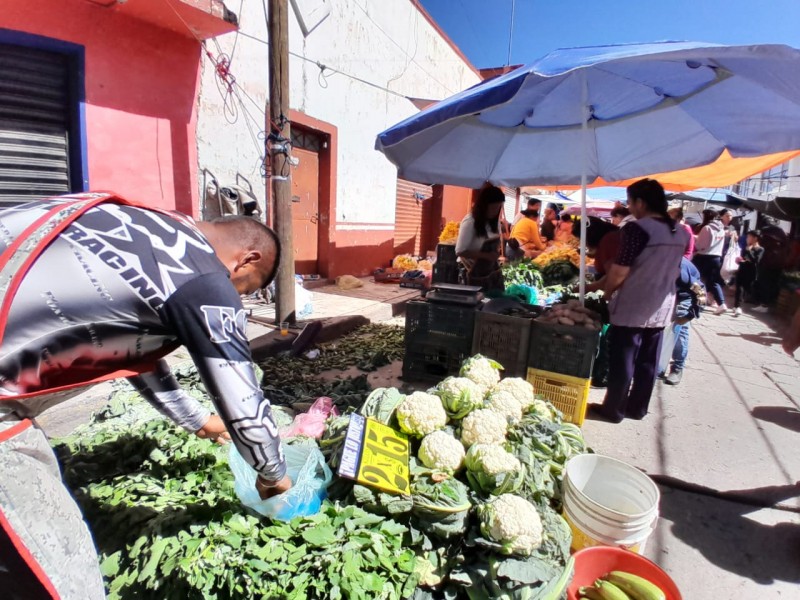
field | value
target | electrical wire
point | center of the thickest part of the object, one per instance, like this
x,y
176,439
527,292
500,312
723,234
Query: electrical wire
x,y
391,39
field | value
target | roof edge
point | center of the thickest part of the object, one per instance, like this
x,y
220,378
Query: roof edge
x,y
418,5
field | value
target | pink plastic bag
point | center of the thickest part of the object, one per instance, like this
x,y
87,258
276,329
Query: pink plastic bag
x,y
312,423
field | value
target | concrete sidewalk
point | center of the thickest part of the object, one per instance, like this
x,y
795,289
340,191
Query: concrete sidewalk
x,y
724,443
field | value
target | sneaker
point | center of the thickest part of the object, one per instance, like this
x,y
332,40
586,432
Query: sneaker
x,y
674,378
721,310
737,312
761,309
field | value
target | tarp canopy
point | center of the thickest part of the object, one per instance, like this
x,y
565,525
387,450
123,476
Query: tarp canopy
x,y
784,208
724,171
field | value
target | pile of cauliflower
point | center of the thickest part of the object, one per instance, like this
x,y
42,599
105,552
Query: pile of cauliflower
x,y
462,424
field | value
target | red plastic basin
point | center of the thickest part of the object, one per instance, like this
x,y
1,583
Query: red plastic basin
x,y
592,563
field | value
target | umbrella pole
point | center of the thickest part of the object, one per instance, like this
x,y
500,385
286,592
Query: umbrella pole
x,y
584,169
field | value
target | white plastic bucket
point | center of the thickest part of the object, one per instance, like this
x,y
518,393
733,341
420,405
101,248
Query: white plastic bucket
x,y
608,502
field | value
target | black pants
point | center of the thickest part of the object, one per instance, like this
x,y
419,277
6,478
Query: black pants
x,y
709,267
745,278
633,362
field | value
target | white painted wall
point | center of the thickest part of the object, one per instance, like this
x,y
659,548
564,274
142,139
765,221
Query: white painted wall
x,y
385,42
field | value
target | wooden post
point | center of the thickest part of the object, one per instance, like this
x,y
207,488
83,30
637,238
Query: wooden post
x,y
281,181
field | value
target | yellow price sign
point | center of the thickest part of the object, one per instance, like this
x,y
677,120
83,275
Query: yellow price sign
x,y
376,455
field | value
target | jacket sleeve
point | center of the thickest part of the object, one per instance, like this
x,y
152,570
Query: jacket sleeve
x,y
162,390
207,316
704,239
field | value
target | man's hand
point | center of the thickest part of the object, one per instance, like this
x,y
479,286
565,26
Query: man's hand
x,y
268,489
214,430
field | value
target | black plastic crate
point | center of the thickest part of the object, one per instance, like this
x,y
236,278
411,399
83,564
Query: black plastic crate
x,y
504,339
445,269
444,273
438,338
565,349
446,254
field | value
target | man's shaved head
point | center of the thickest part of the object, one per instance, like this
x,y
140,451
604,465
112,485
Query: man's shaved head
x,y
245,236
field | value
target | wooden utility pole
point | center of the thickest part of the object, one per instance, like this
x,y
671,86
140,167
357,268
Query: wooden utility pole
x,y
281,180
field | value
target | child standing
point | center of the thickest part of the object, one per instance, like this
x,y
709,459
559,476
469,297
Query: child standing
x,y
748,269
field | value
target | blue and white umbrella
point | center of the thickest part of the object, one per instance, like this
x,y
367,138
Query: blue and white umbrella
x,y
613,112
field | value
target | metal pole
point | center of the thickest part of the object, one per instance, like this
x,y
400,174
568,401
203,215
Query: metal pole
x,y
584,171
511,32
281,181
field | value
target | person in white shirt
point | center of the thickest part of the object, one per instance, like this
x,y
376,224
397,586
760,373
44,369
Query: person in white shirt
x,y
479,238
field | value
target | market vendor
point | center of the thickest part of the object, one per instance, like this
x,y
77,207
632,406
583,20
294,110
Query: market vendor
x,y
479,239
97,288
526,232
563,234
550,222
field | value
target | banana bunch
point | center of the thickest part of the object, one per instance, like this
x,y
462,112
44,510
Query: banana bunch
x,y
619,585
555,253
425,265
449,234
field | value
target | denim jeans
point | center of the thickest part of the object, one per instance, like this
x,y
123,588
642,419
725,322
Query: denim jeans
x,y
681,350
675,346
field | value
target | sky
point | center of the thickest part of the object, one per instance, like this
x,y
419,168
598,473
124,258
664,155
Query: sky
x,y
481,28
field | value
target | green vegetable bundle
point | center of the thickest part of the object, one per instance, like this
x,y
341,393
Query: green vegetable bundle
x,y
559,272
522,272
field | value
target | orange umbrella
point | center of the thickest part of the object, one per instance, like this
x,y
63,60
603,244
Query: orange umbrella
x,y
724,171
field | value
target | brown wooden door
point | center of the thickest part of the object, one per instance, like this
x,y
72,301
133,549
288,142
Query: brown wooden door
x,y
412,215
305,211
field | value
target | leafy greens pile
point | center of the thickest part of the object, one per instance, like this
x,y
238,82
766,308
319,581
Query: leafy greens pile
x,y
167,523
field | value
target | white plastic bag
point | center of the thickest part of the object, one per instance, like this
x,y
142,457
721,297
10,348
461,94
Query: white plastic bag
x,y
729,264
303,300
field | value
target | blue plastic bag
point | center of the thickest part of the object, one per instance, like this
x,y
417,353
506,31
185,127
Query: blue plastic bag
x,y
310,475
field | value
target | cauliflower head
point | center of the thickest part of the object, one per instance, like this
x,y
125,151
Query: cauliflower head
x,y
441,451
543,410
420,414
512,522
483,426
506,404
483,371
519,388
491,469
459,395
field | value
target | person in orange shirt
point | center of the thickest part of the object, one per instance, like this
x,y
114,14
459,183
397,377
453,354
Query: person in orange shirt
x,y
526,232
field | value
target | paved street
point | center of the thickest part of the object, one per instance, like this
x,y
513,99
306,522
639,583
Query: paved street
x,y
723,444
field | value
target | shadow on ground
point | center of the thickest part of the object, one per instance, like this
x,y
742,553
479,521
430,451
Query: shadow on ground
x,y
764,339
784,416
727,536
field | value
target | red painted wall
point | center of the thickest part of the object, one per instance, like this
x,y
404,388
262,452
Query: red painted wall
x,y
141,88
456,203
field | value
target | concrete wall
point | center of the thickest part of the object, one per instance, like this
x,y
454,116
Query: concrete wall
x,y
140,111
390,44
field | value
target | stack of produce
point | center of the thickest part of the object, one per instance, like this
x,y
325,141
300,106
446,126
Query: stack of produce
x,y
558,253
449,234
488,459
425,265
523,272
572,313
481,520
405,262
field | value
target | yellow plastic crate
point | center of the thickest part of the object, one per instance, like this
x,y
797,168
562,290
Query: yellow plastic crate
x,y
568,394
